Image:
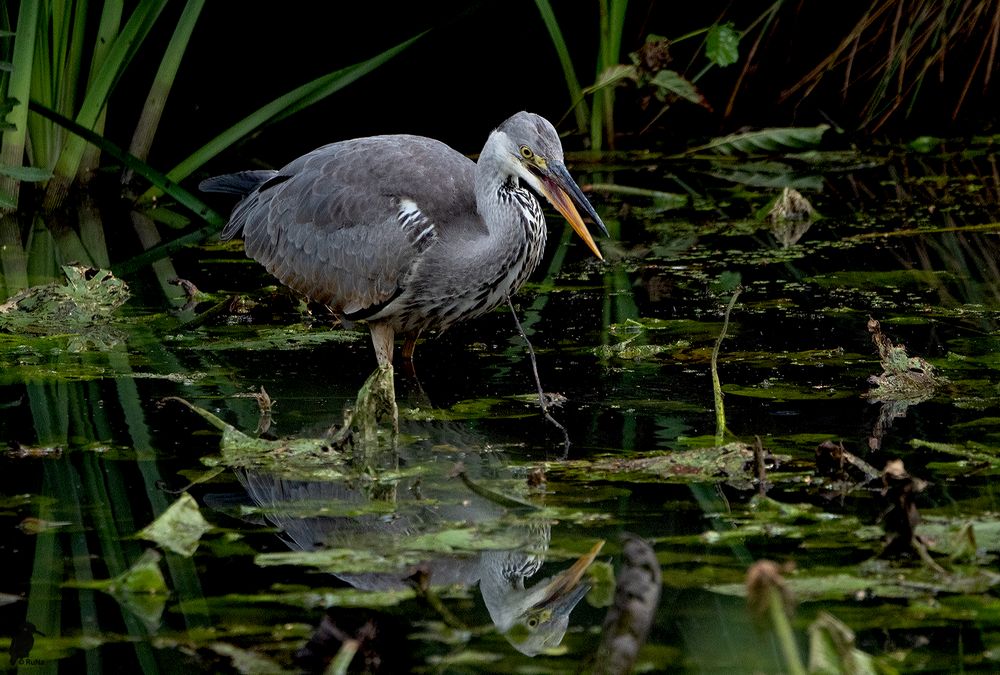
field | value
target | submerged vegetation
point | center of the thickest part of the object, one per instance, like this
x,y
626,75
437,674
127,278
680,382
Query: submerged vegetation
x,y
779,394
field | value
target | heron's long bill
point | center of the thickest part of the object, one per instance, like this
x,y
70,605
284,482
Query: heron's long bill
x,y
567,588
562,191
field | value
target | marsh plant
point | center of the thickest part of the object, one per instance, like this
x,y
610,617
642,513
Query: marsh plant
x,y
62,63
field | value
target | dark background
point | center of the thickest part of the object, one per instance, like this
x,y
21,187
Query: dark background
x,y
483,61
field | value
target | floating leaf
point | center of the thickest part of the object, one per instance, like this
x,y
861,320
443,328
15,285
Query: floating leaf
x,y
462,539
247,661
307,458
179,528
601,577
142,589
143,578
787,392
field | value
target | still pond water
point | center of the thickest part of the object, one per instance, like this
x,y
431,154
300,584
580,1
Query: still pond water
x,y
293,546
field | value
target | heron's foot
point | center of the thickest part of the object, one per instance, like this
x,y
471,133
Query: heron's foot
x,y
375,413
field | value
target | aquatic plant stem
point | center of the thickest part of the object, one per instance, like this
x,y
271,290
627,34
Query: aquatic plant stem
x,y
720,412
783,632
538,381
99,88
152,111
579,105
342,660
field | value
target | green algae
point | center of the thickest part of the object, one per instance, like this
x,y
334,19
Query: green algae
x,y
272,339
726,462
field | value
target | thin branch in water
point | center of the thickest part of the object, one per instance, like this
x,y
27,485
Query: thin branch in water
x,y
760,467
538,382
720,412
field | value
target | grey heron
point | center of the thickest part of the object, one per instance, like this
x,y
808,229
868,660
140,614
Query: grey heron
x,y
405,232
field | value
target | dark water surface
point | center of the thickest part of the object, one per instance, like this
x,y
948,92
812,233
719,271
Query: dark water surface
x,y
297,542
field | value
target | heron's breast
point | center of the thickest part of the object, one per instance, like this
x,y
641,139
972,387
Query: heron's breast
x,y
440,295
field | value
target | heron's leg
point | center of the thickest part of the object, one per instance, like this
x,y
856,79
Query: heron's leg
x,y
410,344
382,338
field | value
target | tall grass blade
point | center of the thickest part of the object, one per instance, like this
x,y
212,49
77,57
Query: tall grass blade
x,y
44,596
43,263
149,120
580,108
183,573
110,24
19,87
164,184
122,50
13,258
91,225
612,24
163,267
283,106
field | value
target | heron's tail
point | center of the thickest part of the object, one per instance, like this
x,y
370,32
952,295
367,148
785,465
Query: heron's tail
x,y
244,184
241,183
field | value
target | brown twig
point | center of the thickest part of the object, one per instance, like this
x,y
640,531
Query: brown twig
x,y
541,393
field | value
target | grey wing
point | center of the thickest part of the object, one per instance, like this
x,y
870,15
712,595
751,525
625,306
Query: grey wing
x,y
346,223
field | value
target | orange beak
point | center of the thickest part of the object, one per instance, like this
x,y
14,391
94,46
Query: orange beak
x,y
564,194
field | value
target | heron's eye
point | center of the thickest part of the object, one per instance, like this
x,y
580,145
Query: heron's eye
x,y
526,152
533,621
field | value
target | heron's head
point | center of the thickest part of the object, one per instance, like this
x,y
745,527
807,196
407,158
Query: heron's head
x,y
535,619
531,148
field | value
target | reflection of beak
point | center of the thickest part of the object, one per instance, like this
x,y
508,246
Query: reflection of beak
x,y
567,588
562,191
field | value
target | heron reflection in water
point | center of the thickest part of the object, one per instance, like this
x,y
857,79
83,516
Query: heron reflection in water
x,y
403,231
533,618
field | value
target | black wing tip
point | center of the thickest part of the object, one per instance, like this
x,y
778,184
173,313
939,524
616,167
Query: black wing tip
x,y
372,310
240,183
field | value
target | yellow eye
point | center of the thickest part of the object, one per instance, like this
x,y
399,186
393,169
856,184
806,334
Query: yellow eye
x,y
526,152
